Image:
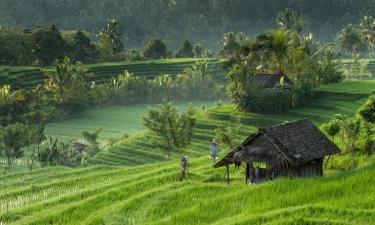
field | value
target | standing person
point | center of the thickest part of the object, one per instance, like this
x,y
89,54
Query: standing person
x,y
184,167
214,150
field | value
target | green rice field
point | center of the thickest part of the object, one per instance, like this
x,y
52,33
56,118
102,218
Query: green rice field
x,y
28,77
113,120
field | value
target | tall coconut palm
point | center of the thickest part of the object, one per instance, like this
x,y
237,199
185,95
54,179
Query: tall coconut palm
x,y
350,40
288,20
367,33
111,32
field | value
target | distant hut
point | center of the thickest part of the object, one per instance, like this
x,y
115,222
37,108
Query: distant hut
x,y
289,149
271,80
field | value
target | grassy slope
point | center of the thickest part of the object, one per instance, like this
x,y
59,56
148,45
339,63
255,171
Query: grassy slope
x,y
150,193
355,86
114,120
28,77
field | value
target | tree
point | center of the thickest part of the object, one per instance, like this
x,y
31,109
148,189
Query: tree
x,y
48,45
14,138
350,40
231,43
332,128
367,32
288,20
68,87
110,37
81,48
351,130
367,110
227,136
186,51
155,49
174,130
197,82
198,51
91,138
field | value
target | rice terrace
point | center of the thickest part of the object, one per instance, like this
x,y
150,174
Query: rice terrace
x,y
186,112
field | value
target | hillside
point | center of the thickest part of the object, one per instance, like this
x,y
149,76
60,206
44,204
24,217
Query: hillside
x,y
134,183
175,21
152,195
28,77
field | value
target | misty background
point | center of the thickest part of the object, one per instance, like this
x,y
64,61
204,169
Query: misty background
x,y
201,21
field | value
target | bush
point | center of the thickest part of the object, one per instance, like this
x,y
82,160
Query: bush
x,y
367,110
133,55
155,49
186,51
263,100
302,94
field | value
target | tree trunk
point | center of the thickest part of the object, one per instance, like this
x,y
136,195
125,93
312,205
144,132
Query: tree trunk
x,y
9,162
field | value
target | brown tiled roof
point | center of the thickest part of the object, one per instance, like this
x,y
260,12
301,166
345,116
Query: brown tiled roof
x,y
293,143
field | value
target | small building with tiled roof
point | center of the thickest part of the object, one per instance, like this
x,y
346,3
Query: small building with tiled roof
x,y
289,149
271,80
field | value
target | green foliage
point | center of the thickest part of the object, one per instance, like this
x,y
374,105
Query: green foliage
x,y
228,136
367,110
14,138
174,129
68,87
302,94
48,45
109,37
288,20
263,100
350,40
231,44
197,83
198,51
81,48
281,52
156,49
133,55
186,50
332,128
328,71
54,152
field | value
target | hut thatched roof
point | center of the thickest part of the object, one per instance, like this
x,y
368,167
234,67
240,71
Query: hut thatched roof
x,y
270,80
286,144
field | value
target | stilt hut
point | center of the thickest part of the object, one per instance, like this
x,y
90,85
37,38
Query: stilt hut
x,y
289,149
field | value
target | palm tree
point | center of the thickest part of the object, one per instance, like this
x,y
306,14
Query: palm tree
x,y
350,40
111,32
367,33
288,20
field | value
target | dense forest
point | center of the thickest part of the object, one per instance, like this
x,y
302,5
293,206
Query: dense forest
x,y
176,20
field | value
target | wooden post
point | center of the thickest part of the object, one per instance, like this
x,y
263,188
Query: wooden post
x,y
227,174
247,172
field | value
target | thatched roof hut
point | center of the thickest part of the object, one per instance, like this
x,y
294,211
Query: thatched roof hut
x,y
271,80
290,149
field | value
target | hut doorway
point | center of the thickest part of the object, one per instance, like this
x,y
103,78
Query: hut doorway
x,y
258,172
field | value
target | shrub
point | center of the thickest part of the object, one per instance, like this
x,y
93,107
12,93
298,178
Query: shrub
x,y
302,94
155,49
263,100
367,110
186,50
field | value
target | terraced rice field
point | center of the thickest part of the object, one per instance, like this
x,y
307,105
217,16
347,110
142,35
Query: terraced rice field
x,y
140,150
114,121
134,183
352,86
152,195
28,77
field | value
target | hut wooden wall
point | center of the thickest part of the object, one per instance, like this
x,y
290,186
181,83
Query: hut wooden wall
x,y
310,169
